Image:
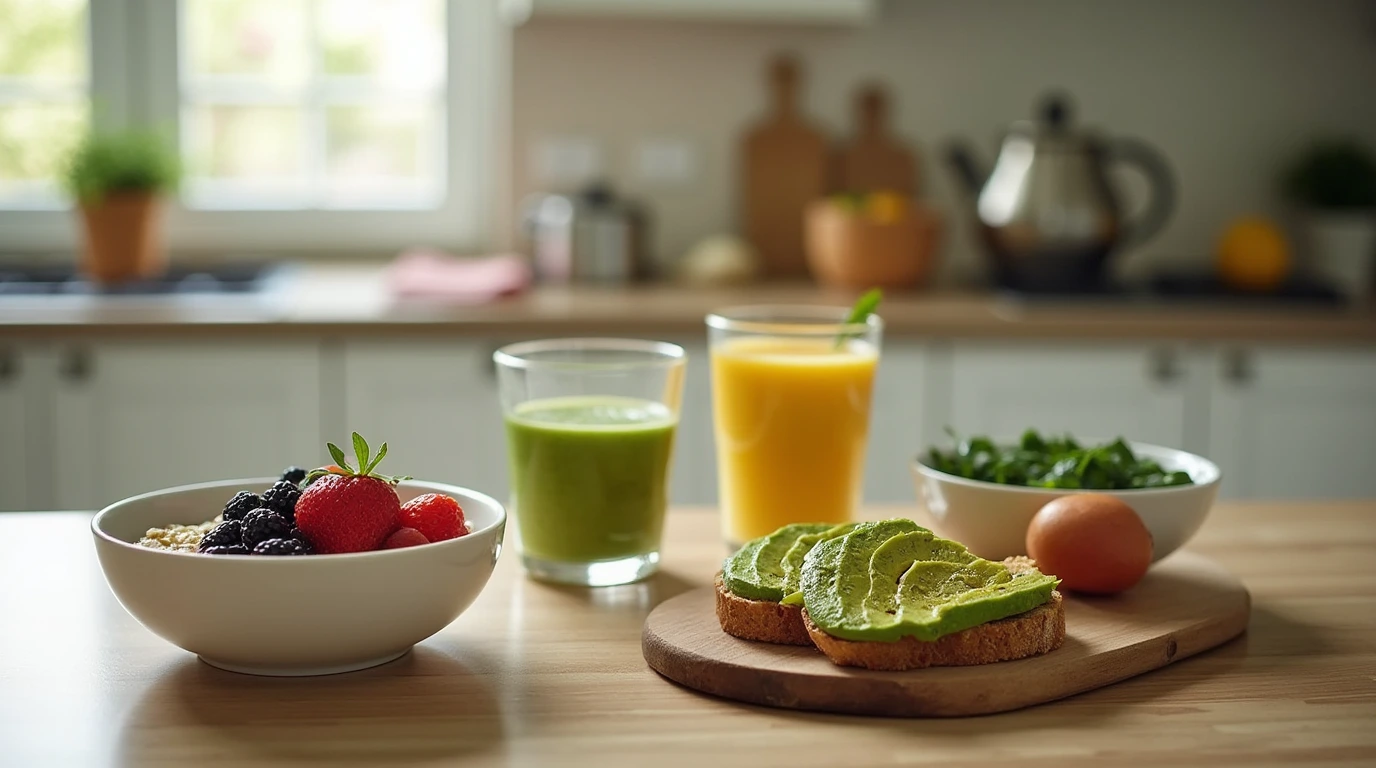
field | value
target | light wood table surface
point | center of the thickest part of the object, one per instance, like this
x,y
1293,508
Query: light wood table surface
x,y
541,675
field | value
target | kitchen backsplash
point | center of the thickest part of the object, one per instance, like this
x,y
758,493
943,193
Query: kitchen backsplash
x,y
1225,89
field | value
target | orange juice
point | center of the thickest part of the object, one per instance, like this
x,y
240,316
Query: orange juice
x,y
791,419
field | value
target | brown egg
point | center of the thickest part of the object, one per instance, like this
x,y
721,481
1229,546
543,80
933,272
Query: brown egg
x,y
1092,541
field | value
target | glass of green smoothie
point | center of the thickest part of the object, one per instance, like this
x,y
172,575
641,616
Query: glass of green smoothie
x,y
590,432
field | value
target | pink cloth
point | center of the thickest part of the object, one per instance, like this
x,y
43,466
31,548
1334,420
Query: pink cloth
x,y
437,275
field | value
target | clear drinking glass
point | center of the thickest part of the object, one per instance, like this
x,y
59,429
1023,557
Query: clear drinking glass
x,y
590,431
791,389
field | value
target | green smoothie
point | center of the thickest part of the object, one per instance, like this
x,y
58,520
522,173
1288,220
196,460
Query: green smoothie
x,y
590,476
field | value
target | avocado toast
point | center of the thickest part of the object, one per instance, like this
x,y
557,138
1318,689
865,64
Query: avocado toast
x,y
889,595
754,582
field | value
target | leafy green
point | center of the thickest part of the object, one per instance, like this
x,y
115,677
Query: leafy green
x,y
367,463
134,161
1337,174
338,456
1054,462
864,307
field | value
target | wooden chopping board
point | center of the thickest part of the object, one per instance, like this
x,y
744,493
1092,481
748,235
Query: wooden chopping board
x,y
874,159
785,166
1185,605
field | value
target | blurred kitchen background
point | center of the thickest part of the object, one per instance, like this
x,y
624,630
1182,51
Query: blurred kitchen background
x,y
233,229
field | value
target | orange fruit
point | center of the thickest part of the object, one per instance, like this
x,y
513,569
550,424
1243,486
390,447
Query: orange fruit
x,y
1253,255
886,207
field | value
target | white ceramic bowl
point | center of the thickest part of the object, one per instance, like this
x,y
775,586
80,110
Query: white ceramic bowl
x,y
312,615
991,519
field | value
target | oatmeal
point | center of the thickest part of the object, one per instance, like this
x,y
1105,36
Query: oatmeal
x,y
179,538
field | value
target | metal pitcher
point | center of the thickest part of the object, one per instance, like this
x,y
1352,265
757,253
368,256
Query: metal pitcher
x,y
1048,216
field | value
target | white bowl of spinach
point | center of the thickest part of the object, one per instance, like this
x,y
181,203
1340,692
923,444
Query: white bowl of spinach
x,y
1055,462
984,492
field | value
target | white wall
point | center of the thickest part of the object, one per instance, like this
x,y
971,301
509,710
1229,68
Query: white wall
x,y
1225,88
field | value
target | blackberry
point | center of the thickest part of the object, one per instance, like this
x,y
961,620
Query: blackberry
x,y
226,534
264,524
242,504
281,498
282,547
231,550
294,475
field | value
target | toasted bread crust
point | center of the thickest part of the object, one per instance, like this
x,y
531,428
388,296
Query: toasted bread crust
x,y
760,620
1035,632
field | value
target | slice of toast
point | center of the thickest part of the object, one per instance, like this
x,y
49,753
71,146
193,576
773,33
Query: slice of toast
x,y
761,620
1033,633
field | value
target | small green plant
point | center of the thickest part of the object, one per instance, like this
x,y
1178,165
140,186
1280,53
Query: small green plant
x,y
132,161
1333,174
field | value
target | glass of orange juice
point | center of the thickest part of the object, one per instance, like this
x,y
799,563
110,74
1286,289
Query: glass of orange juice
x,y
791,392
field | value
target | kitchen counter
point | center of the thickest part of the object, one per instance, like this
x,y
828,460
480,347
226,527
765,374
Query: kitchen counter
x,y
542,675
353,301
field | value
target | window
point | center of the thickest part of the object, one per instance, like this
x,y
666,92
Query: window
x,y
43,102
302,124
324,104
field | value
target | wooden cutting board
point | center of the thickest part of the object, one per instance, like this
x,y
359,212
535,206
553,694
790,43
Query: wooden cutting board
x,y
785,165
1185,605
874,159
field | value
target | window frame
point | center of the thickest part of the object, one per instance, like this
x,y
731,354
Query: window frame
x,y
135,42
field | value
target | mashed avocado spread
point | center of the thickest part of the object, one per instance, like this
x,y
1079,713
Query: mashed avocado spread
x,y
769,568
881,581
891,579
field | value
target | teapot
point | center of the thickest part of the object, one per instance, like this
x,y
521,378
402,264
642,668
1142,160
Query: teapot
x,y
1048,216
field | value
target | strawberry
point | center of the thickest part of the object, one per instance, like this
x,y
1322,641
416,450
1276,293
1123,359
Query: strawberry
x,y
405,537
435,515
347,510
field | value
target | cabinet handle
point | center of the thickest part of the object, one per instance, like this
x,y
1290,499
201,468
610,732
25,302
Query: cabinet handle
x,y
76,366
1238,368
9,364
1165,366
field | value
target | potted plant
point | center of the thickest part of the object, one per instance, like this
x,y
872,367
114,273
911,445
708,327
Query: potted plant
x,y
118,180
1334,184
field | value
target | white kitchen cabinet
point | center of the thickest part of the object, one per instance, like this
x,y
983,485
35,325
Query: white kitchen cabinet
x,y
129,417
16,428
1140,391
435,403
1294,423
904,394
694,477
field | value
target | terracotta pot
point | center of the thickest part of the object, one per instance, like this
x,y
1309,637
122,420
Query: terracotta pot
x,y
123,237
850,249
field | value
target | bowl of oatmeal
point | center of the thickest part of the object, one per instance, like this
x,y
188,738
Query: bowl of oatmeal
x,y
289,616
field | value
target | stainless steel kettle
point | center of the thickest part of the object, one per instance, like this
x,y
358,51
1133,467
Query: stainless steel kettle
x,y
1048,216
592,237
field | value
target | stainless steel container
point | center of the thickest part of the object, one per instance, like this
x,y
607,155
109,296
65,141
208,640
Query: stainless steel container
x,y
589,237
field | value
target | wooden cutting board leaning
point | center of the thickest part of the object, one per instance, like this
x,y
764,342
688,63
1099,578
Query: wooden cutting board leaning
x,y
874,160
785,165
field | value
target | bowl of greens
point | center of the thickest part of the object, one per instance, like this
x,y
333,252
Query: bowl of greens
x,y
984,492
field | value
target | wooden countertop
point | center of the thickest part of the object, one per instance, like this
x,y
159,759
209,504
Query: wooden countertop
x,y
541,675
335,301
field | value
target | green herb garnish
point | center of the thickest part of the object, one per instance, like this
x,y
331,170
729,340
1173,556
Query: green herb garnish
x,y
864,307
367,462
1062,462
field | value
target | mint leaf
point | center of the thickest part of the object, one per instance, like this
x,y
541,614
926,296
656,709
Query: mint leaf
x,y
864,307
